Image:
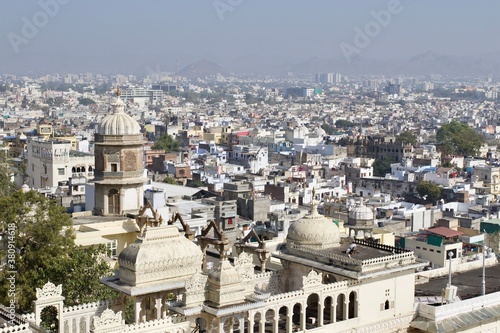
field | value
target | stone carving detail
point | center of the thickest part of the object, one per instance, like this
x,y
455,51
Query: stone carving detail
x,y
49,290
243,259
108,319
130,161
312,279
197,282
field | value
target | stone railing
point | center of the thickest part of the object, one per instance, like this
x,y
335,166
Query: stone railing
x,y
21,323
379,246
449,310
340,285
23,328
329,258
387,261
286,296
88,307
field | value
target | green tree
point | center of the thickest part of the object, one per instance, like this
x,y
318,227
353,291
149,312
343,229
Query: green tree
x,y
250,99
381,167
41,248
166,142
195,183
431,190
344,123
330,130
86,101
170,180
456,138
7,187
407,137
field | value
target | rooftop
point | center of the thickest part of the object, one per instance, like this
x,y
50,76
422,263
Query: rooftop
x,y
468,283
445,232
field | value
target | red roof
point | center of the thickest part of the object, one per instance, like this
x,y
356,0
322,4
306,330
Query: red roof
x,y
445,232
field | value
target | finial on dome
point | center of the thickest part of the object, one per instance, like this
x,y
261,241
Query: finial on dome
x,y
314,204
118,92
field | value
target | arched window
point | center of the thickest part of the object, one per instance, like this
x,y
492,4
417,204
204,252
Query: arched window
x,y
83,169
113,202
73,170
90,168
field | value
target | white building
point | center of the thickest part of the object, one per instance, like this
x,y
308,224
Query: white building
x,y
52,162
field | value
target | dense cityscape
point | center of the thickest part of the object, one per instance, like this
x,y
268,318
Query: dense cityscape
x,y
253,192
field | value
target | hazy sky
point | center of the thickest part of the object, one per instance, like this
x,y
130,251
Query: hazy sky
x,y
135,35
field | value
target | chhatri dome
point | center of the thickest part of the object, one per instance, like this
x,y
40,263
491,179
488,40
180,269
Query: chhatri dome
x,y
361,215
160,254
118,123
314,230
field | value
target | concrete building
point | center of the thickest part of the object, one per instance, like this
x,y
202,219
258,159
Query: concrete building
x,y
51,163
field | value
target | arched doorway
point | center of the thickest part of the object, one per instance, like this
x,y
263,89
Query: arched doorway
x,y
296,316
148,310
113,202
256,321
340,307
269,327
328,310
49,322
312,311
283,319
353,305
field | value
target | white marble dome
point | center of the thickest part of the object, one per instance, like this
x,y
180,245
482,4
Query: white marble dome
x,y
160,254
118,123
361,215
314,230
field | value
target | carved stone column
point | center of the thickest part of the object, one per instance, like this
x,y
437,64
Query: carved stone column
x,y
320,311
303,317
158,307
250,322
276,321
137,310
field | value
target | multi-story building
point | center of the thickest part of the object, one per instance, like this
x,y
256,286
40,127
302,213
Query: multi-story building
x,y
490,178
51,163
141,96
253,158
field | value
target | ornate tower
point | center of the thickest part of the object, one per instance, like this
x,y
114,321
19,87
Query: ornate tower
x,y
119,166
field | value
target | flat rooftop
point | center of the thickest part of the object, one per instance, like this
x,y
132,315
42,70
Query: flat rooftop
x,y
468,283
91,219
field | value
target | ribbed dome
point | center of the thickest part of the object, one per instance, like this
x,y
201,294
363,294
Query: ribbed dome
x,y
361,212
160,254
118,123
314,230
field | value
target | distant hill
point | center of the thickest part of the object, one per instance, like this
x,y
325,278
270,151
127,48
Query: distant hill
x,y
201,69
426,63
